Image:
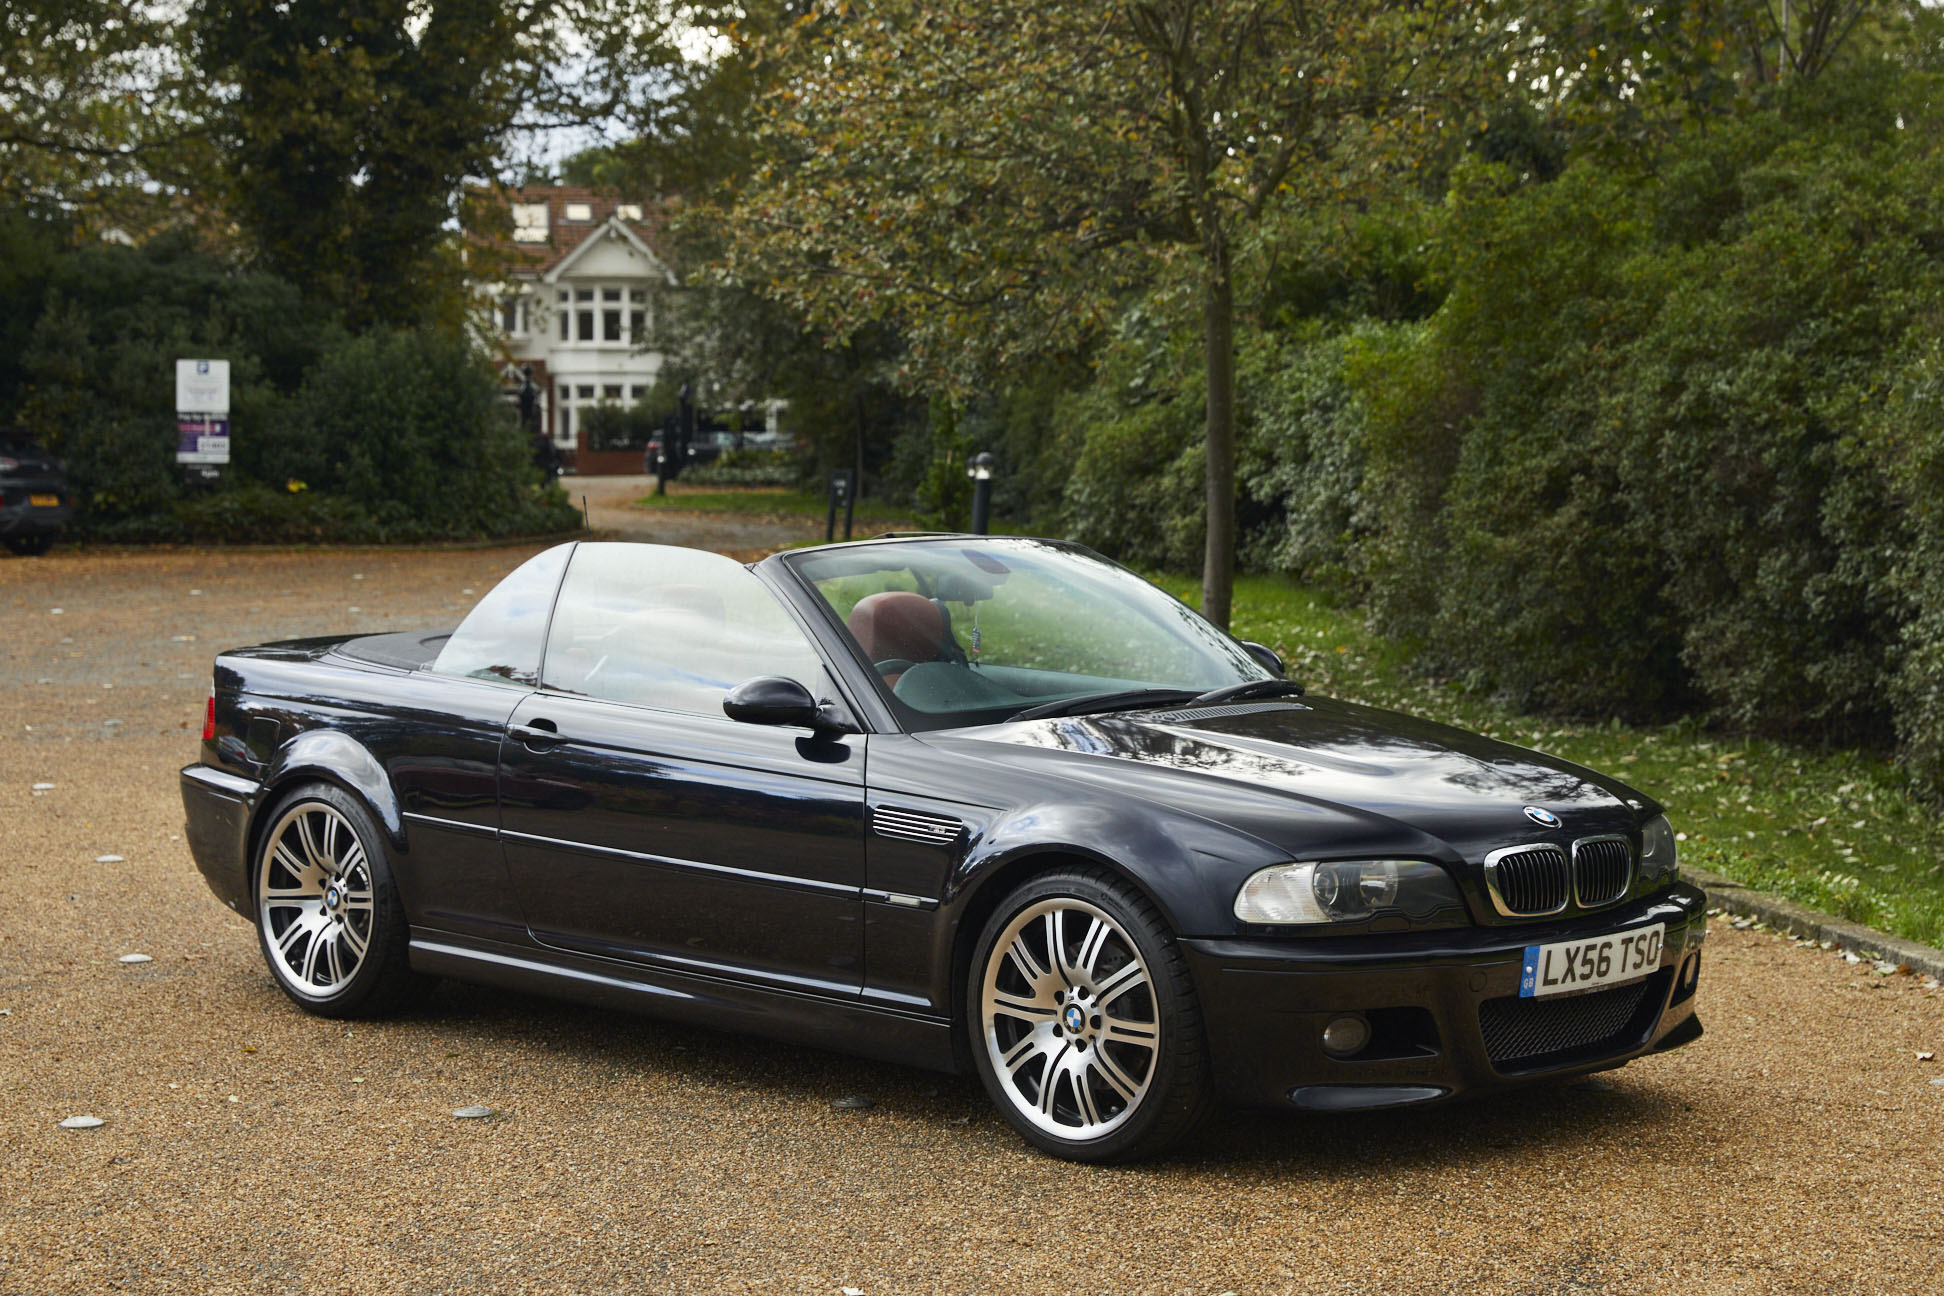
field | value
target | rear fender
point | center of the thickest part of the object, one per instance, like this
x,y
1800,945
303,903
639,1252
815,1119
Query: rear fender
x,y
337,758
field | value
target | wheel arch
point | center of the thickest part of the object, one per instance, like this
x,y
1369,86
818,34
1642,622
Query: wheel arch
x,y
323,756
981,897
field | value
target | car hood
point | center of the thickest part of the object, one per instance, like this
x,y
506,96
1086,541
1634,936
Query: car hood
x,y
1322,775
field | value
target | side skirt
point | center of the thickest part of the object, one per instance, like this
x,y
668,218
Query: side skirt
x,y
857,1028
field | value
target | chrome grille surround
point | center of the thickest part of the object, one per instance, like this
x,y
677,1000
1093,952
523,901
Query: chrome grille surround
x,y
1528,881
1602,870
915,825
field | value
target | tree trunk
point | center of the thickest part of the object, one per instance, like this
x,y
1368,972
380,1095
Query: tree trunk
x,y
1218,350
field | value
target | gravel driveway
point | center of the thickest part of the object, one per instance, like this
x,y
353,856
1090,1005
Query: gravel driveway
x,y
249,1148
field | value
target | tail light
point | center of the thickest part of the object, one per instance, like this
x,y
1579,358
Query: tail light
x,y
209,719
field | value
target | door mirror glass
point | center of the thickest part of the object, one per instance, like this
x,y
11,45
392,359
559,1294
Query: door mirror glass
x,y
771,700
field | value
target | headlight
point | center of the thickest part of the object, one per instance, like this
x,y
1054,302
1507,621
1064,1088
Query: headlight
x,y
1659,858
1345,891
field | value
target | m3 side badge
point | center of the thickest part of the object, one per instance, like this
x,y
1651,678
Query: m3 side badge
x,y
1544,818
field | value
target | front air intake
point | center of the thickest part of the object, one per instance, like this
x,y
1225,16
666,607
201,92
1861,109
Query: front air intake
x,y
1527,881
1602,869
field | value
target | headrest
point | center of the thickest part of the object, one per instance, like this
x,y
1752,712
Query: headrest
x,y
896,625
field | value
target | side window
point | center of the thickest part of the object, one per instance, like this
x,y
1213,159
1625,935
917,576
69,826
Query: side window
x,y
671,628
500,638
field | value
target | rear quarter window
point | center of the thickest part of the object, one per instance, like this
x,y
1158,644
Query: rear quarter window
x,y
502,637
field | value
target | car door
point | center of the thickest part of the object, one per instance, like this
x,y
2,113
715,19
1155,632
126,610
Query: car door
x,y
641,823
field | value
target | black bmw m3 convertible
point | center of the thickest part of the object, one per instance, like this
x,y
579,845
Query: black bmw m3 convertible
x,y
960,802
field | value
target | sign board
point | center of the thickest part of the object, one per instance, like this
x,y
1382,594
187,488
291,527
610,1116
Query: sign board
x,y
202,412
203,386
201,439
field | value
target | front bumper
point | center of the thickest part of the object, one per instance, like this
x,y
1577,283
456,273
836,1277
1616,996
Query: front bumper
x,y
1433,999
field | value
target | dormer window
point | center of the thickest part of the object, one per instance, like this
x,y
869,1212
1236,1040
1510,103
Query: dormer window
x,y
529,222
580,213
628,211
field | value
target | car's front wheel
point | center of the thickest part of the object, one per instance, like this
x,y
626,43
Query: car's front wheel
x,y
328,916
1085,1026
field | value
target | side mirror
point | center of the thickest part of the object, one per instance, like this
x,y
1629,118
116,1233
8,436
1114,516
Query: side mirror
x,y
1267,656
772,700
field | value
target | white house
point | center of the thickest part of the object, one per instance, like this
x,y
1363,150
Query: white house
x,y
576,304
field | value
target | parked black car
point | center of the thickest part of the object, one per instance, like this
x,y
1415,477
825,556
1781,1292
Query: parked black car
x,y
704,447
970,803
35,498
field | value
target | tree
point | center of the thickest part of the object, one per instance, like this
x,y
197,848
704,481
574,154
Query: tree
x,y
991,174
98,120
351,129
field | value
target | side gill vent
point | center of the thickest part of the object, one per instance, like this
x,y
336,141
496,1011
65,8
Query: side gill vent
x,y
1194,714
915,825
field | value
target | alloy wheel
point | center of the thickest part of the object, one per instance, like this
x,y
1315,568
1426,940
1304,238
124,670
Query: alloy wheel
x,y
314,900
1070,1020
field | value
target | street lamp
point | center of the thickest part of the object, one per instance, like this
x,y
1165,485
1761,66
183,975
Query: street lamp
x,y
980,471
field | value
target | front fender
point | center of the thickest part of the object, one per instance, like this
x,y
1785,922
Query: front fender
x,y
1188,867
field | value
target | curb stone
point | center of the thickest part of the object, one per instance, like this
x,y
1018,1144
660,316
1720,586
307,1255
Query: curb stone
x,y
1798,920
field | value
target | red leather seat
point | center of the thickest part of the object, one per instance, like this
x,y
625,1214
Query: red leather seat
x,y
898,626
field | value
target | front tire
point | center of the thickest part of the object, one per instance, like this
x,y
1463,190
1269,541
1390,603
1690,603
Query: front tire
x,y
328,918
1084,1023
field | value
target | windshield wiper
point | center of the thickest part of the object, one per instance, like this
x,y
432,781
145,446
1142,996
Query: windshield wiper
x,y
1105,702
1248,689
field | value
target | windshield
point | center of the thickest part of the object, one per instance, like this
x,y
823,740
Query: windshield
x,y
967,631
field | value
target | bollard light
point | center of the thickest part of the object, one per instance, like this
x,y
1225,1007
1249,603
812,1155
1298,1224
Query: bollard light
x,y
980,471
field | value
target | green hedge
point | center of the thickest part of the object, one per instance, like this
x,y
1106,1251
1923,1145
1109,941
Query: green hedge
x,y
390,436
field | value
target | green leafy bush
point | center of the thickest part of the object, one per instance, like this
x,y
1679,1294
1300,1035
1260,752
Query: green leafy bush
x,y
390,436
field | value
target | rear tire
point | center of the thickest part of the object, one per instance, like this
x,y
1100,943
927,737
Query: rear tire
x,y
329,922
1083,1020
30,546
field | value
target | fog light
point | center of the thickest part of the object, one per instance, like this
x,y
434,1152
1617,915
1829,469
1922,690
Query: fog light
x,y
1346,1036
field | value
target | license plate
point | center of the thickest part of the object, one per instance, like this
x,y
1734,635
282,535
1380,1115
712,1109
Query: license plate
x,y
1589,964
44,501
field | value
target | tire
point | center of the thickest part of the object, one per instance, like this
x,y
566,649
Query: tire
x,y
1097,1055
30,546
332,931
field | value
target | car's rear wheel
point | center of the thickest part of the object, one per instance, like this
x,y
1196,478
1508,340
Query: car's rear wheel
x,y
328,918
1085,1026
30,546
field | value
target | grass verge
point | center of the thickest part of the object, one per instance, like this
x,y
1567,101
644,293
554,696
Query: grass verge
x,y
1833,830
871,515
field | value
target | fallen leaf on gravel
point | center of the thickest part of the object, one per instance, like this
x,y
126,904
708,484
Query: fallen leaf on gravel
x,y
853,1102
43,787
108,859
1849,957
851,1291
474,1112
1886,969
1925,1057
83,1122
135,958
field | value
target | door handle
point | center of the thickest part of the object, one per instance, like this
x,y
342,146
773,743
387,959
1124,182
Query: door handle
x,y
537,733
